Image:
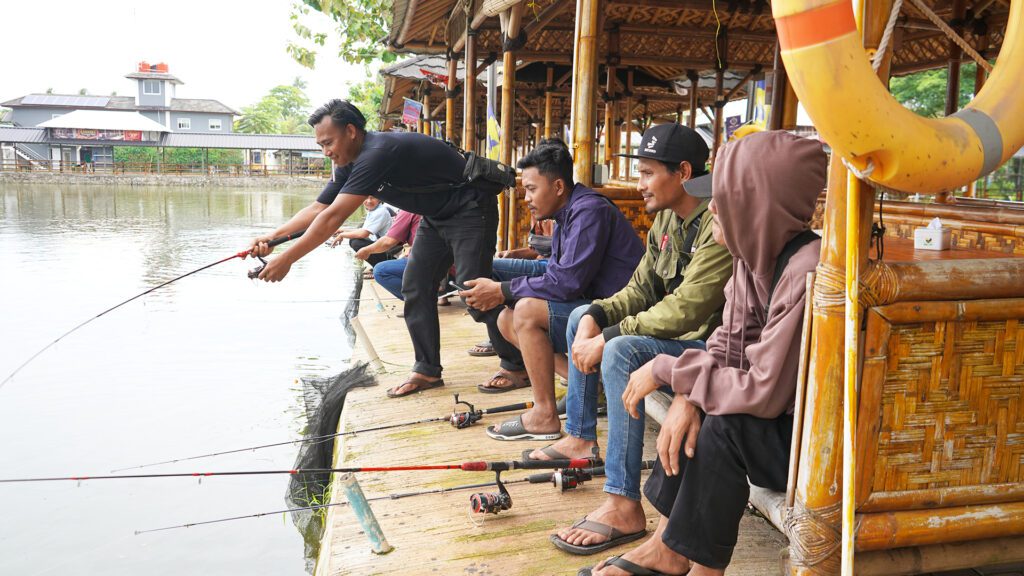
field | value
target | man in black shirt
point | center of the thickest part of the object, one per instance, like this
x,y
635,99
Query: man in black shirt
x,y
405,170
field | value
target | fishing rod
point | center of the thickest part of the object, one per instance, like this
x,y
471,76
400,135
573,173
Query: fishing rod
x,y
474,466
562,479
457,419
242,254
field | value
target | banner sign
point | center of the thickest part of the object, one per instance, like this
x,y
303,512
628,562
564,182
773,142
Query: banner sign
x,y
411,111
88,134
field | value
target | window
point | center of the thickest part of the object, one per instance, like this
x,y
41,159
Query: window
x,y
214,123
151,86
184,123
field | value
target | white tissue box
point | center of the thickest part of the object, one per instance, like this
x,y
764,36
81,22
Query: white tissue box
x,y
932,238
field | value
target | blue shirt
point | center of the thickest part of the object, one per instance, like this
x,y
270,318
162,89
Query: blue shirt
x,y
593,254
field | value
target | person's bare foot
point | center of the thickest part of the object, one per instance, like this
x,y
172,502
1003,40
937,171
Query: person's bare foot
x,y
619,512
570,446
652,554
540,423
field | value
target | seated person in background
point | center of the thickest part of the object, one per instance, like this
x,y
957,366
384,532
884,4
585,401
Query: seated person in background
x,y
593,254
378,220
672,303
388,273
529,261
732,415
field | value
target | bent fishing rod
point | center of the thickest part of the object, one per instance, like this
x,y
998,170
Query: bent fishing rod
x,y
242,254
459,420
474,466
563,480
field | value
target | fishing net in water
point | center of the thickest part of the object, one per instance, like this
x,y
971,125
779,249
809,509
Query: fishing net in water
x,y
324,398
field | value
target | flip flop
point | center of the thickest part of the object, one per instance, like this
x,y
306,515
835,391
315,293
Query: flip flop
x,y
421,384
614,537
634,569
516,381
484,348
548,451
514,430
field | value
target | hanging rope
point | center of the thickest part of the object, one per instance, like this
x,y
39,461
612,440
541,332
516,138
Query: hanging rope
x,y
956,38
883,46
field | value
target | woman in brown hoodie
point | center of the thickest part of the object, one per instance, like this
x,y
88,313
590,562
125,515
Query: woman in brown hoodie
x,y
731,418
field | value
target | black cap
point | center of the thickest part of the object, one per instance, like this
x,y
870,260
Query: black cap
x,y
673,143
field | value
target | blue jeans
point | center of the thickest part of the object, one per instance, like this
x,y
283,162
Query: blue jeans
x,y
389,275
505,269
625,447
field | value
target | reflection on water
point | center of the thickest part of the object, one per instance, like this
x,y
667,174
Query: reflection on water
x,y
206,364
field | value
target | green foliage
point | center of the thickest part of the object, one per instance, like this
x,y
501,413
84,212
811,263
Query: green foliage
x,y
361,26
143,154
367,96
282,111
925,92
83,91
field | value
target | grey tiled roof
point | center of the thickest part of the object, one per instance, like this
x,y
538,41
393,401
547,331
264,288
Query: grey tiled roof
x,y
154,76
201,105
23,135
240,141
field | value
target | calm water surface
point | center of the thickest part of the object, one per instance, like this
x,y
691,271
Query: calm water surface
x,y
206,364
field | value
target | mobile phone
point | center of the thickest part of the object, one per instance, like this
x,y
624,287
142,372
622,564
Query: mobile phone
x,y
453,284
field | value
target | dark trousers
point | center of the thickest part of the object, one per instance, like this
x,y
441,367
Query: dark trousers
x,y
358,244
705,501
467,238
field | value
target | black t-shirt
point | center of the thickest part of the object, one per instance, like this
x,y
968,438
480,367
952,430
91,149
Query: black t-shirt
x,y
392,165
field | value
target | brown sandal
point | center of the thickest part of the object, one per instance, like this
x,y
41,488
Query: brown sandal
x,y
515,382
420,384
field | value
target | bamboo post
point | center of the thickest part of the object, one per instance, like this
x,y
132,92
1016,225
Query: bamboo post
x,y
549,88
719,119
469,92
629,122
609,114
506,215
694,95
820,525
449,98
427,116
584,89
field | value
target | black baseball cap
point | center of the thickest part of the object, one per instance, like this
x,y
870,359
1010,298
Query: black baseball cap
x,y
676,143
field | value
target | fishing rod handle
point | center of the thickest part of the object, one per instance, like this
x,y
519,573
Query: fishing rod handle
x,y
285,238
509,408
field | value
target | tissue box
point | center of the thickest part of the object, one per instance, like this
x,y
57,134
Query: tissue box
x,y
932,238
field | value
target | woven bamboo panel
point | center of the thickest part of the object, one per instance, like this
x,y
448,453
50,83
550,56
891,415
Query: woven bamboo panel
x,y
942,404
964,235
633,210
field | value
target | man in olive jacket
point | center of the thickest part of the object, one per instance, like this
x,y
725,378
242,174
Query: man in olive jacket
x,y
672,303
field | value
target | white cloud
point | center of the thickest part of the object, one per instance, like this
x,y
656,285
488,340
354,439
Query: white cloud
x,y
228,50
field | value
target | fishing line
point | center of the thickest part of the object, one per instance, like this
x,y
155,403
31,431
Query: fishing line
x,y
241,254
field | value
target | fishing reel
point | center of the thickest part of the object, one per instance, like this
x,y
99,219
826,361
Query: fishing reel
x,y
462,420
491,502
571,478
255,272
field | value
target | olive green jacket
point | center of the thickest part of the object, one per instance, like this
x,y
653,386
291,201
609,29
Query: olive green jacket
x,y
672,294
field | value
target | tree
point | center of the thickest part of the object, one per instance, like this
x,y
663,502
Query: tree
x,y
925,92
83,91
368,96
360,24
282,111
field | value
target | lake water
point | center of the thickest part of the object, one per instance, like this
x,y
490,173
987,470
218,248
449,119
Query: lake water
x,y
206,364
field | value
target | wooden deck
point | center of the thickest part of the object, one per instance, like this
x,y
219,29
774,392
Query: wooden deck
x,y
435,534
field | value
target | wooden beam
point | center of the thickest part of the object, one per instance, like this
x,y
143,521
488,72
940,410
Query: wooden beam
x,y
694,93
449,98
469,96
506,216
719,119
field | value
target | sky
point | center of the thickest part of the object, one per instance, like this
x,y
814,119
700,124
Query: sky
x,y
227,50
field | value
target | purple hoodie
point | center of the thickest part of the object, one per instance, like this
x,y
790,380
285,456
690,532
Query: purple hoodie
x,y
593,254
765,188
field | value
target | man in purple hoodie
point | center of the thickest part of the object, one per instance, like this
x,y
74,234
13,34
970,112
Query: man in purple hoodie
x,y
732,415
593,254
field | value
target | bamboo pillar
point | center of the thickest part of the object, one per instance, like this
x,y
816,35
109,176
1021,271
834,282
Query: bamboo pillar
x,y
719,113
955,53
449,99
549,88
427,116
584,89
629,122
979,82
506,214
815,523
694,96
469,93
609,115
